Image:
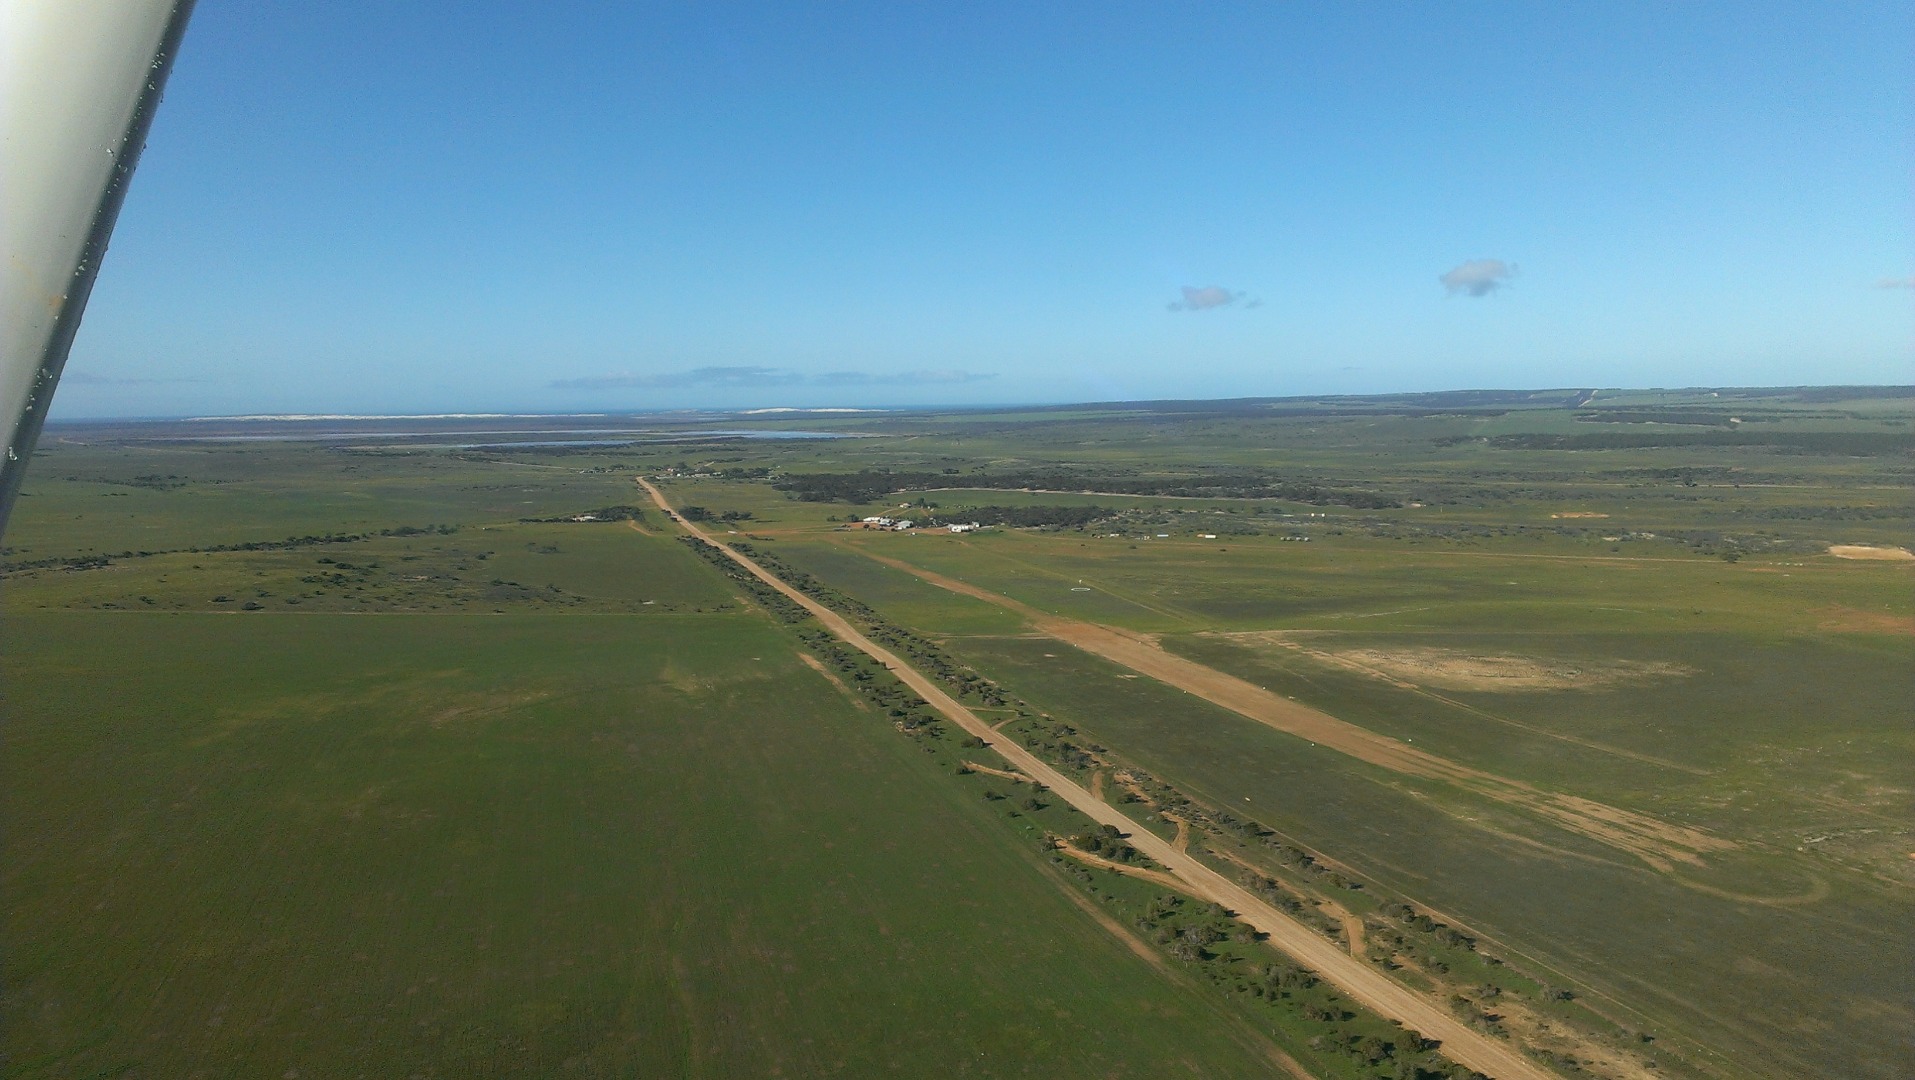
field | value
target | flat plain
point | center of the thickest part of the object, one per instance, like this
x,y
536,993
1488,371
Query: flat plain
x,y
1577,714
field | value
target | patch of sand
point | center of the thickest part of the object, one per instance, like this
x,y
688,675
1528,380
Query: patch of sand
x,y
1579,514
1871,553
1014,777
1454,669
1848,620
1353,931
1158,877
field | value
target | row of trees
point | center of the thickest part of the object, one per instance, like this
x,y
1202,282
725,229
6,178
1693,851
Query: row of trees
x,y
1188,931
95,562
870,485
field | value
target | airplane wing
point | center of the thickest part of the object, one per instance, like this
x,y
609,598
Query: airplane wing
x,y
79,83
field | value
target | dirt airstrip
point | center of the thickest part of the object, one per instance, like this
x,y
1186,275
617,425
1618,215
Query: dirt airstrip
x,y
1374,989
1658,843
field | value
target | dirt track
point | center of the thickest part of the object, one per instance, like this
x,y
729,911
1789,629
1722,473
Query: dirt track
x,y
1656,842
1157,877
1014,777
1363,983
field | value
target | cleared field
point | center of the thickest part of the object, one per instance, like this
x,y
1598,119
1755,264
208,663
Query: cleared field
x,y
469,846
86,499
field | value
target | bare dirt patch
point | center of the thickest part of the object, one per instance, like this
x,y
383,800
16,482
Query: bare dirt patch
x,y
1134,789
1579,514
1141,873
1453,669
1871,553
1848,620
1014,777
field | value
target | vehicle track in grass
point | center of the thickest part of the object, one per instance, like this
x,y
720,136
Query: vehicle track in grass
x,y
1658,843
1372,988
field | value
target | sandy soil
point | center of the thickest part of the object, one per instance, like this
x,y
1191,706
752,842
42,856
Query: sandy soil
x,y
1138,872
1367,985
1015,777
1453,669
1353,930
1871,552
1129,783
1848,620
1658,843
1286,640
1579,514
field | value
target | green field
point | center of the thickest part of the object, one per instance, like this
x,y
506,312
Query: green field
x,y
581,845
331,760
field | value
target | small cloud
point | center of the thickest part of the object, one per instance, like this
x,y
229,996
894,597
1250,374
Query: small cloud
x,y
1478,277
763,376
672,380
1896,283
1209,297
899,378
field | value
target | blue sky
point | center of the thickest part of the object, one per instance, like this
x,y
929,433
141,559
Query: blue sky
x,y
577,207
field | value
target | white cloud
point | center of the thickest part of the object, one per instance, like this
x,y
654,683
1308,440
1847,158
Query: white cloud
x,y
1896,283
898,378
670,380
1478,277
1208,297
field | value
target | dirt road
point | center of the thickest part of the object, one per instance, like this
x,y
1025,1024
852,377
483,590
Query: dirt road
x,y
1658,843
1367,985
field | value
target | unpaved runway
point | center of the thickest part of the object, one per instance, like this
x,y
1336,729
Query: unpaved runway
x,y
1656,842
1371,987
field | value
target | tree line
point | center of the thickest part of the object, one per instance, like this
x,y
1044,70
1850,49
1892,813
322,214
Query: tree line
x,y
871,485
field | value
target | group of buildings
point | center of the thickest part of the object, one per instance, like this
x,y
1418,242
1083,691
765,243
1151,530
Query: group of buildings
x,y
906,524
